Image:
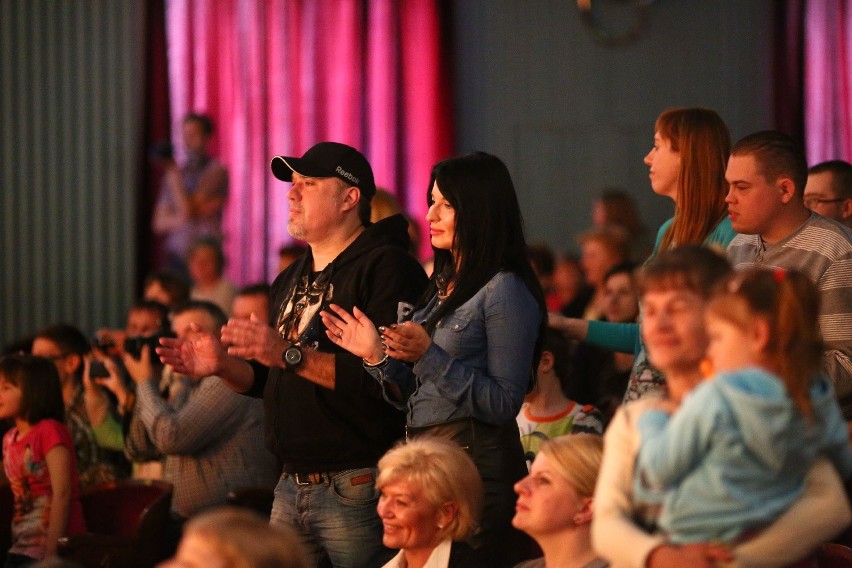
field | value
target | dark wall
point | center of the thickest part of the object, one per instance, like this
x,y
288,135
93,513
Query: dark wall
x,y
570,116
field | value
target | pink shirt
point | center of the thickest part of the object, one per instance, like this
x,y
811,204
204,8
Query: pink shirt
x,y
29,478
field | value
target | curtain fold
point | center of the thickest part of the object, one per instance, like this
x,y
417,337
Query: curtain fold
x,y
827,76
278,76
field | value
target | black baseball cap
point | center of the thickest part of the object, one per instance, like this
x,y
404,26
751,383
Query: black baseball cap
x,y
328,159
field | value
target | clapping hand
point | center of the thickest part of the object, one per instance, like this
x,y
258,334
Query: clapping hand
x,y
354,332
197,355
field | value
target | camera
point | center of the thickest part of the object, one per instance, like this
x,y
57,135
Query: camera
x,y
97,369
133,346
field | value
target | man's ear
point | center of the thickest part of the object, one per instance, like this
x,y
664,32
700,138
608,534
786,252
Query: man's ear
x,y
71,363
351,197
846,208
786,188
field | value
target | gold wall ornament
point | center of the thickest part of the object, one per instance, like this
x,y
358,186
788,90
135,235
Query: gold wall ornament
x,y
609,38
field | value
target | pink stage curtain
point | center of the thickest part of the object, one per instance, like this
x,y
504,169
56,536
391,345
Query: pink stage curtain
x,y
278,76
828,80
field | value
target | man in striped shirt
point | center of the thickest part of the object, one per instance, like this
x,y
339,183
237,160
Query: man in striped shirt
x,y
766,177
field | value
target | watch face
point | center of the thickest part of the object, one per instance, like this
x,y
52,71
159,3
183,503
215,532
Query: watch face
x,y
293,356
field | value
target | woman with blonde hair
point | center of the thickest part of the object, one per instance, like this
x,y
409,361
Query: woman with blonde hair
x,y
430,501
230,537
686,164
555,503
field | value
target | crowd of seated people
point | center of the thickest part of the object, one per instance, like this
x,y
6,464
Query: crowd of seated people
x,y
513,408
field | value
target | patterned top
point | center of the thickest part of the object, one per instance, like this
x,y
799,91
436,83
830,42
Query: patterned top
x,y
213,442
26,467
95,464
575,419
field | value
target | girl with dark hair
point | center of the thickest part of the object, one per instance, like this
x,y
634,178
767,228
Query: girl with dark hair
x,y
461,365
38,458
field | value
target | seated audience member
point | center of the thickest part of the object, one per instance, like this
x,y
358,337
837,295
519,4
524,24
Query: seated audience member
x,y
543,261
675,287
383,205
733,456
766,176
289,253
829,191
599,376
166,288
212,438
602,249
145,318
99,454
147,321
569,287
206,268
252,299
616,208
430,501
547,412
236,538
555,503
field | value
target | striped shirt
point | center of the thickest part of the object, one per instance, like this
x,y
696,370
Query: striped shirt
x,y
822,250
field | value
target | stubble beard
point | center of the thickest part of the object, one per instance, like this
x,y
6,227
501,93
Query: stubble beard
x,y
296,230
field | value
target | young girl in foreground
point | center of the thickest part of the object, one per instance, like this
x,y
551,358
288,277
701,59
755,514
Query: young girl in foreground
x,y
734,456
38,457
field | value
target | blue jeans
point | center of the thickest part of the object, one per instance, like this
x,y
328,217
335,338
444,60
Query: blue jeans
x,y
337,521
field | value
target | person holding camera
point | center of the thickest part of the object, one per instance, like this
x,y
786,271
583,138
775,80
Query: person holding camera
x,y
89,413
147,321
211,436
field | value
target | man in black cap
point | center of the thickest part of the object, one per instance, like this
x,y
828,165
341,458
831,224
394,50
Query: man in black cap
x,y
325,416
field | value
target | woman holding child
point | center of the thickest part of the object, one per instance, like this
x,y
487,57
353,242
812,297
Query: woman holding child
x,y
676,287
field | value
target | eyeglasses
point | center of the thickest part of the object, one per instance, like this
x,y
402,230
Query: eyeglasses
x,y
811,202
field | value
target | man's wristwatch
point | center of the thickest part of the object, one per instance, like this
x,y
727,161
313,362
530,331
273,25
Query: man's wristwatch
x,y
292,357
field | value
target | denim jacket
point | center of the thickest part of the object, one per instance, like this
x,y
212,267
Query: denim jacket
x,y
479,363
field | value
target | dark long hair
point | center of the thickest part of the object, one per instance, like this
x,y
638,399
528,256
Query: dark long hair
x,y
489,234
38,380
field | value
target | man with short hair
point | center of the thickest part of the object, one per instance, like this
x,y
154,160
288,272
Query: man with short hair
x,y
829,191
326,418
251,299
766,177
211,437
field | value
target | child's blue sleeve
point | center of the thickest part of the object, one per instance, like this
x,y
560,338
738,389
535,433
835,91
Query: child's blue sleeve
x,y
671,447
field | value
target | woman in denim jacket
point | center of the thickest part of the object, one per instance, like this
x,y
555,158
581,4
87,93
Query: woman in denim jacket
x,y
460,367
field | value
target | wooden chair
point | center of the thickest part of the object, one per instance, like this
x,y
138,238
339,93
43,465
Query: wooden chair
x,y
832,555
126,522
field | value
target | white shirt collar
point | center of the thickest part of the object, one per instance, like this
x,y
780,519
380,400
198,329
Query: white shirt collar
x,y
440,557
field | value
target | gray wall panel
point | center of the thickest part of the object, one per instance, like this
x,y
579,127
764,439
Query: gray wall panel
x,y
71,88
570,116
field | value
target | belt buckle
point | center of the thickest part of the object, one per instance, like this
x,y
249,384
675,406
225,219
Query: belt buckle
x,y
303,479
